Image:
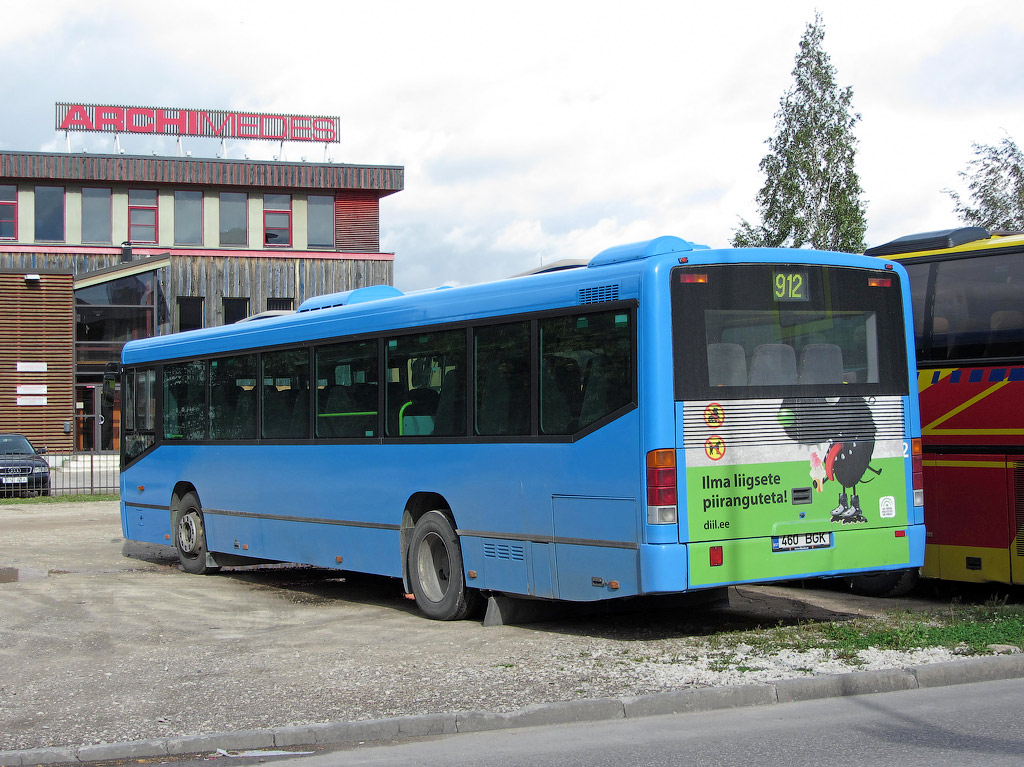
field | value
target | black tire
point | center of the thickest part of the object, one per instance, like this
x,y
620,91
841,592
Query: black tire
x,y
435,570
190,536
888,583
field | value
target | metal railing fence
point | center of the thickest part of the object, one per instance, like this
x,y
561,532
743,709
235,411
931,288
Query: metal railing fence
x,y
76,473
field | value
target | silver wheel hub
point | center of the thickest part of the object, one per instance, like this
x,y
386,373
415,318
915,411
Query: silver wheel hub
x,y
433,566
188,532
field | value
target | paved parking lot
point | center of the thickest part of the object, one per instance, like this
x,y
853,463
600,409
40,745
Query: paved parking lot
x,y
106,641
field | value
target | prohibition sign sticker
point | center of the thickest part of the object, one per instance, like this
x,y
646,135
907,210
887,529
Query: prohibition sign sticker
x,y
714,447
714,415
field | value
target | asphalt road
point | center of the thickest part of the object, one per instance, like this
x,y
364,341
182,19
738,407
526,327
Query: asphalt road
x,y
976,724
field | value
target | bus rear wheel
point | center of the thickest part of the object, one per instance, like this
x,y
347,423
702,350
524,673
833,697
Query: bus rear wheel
x,y
435,570
190,537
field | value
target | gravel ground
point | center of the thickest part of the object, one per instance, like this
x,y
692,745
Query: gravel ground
x,y
103,641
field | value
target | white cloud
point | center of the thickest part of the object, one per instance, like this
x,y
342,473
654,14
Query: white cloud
x,y
544,130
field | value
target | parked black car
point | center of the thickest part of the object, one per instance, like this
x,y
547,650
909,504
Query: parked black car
x,y
23,470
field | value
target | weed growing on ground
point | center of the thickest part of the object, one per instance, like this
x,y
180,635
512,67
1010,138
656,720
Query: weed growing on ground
x,y
968,628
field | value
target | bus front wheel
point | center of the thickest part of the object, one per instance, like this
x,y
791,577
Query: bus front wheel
x,y
435,570
190,537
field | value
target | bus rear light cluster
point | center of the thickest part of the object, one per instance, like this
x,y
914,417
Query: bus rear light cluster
x,y
917,471
662,496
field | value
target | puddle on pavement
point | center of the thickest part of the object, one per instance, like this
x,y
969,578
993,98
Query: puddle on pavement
x,y
14,574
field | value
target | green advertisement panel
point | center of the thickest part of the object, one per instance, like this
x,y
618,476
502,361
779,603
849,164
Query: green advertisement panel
x,y
763,468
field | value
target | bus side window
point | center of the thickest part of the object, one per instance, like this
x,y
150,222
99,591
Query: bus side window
x,y
231,415
426,372
185,400
285,387
586,371
502,379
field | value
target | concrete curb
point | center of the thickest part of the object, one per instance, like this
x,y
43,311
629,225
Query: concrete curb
x,y
984,669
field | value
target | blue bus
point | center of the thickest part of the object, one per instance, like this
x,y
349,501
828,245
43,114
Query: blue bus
x,y
663,419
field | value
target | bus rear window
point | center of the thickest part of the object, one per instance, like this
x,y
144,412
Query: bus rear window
x,y
747,331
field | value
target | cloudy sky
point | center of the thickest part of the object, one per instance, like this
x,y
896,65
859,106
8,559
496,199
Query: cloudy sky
x,y
534,131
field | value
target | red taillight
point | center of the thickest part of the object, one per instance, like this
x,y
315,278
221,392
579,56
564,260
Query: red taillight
x,y
901,533
716,555
661,496
916,464
693,278
661,485
879,282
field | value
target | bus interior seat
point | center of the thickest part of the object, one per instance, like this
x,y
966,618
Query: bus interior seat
x,y
418,412
278,411
1006,319
502,408
773,365
607,388
329,422
1006,327
222,412
560,394
821,364
450,418
492,410
727,365
245,414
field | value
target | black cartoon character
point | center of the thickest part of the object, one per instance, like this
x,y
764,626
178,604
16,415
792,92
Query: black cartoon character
x,y
848,428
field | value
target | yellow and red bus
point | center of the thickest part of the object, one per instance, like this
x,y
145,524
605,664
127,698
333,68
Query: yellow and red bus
x,y
967,290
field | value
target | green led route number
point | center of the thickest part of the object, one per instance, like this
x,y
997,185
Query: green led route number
x,y
789,285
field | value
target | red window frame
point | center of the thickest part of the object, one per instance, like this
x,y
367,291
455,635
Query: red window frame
x,y
272,209
9,211
133,207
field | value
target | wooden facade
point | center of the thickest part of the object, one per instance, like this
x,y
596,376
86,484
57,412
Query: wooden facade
x,y
36,356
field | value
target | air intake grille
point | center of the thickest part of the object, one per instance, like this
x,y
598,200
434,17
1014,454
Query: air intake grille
x,y
504,551
599,294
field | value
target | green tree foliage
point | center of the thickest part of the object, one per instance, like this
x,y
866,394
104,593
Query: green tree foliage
x,y
812,194
995,181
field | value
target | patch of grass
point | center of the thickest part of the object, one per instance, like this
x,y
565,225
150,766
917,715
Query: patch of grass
x,y
971,627
59,499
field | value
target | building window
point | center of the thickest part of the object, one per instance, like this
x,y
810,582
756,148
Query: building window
x,y
50,213
277,220
235,309
96,215
142,215
188,218
190,313
320,221
280,304
234,218
8,212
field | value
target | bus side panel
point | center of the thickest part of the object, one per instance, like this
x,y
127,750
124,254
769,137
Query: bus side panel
x,y
358,549
314,503
963,545
595,547
139,521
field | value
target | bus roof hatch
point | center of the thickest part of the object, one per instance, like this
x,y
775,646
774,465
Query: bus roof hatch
x,y
357,296
938,240
635,251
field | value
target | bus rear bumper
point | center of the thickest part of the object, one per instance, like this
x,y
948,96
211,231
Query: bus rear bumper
x,y
752,560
